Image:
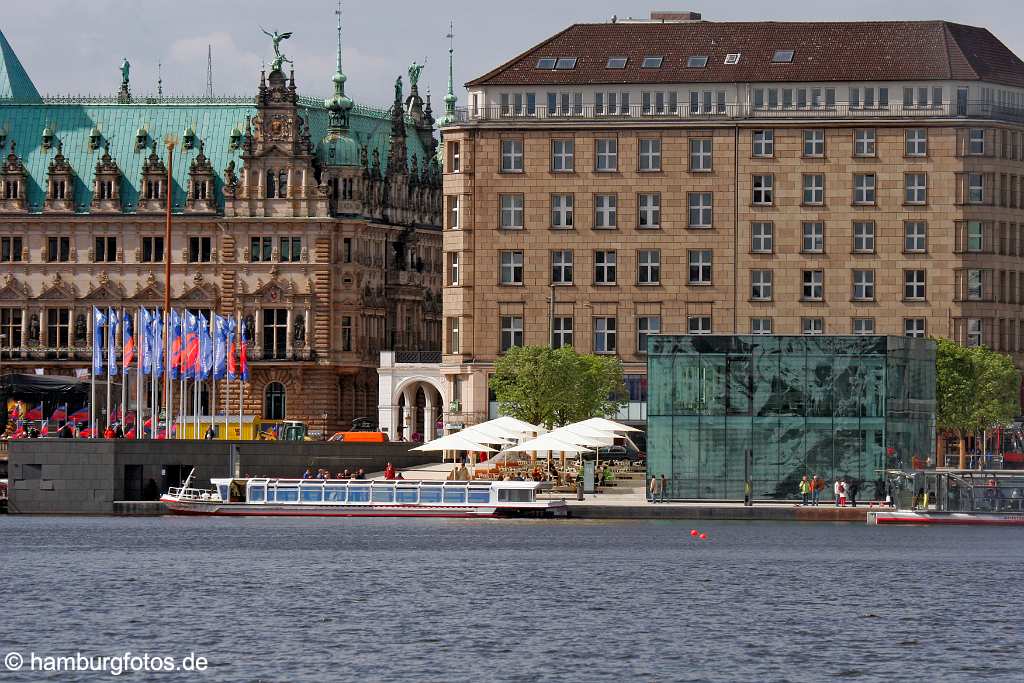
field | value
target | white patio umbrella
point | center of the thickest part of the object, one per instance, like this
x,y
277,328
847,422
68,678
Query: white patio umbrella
x,y
454,442
516,424
592,436
608,425
550,443
490,433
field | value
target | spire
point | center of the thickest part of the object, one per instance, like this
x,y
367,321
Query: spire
x,y
14,81
159,80
449,99
209,70
339,105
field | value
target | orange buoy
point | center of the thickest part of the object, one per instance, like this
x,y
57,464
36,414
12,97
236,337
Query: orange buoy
x,y
693,532
703,537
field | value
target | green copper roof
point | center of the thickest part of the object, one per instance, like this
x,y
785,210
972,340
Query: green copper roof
x,y
14,82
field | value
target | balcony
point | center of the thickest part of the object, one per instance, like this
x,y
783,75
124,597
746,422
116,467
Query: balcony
x,y
747,112
418,357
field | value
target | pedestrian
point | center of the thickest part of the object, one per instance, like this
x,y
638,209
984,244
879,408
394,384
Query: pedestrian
x,y
108,433
836,487
852,490
842,493
817,486
805,490
210,433
664,489
308,474
655,488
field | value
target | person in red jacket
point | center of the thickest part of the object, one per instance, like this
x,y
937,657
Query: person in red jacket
x,y
389,471
108,433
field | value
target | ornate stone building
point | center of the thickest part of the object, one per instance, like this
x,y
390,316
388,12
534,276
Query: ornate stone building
x,y
317,222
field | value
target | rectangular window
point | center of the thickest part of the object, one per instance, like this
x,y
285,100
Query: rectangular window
x,y
454,157
760,326
761,285
511,331
864,142
700,267
975,188
914,285
646,325
914,327
607,155
864,285
561,267
814,143
908,97
698,324
976,142
812,325
975,333
864,188
512,156
453,340
813,285
290,249
58,249
915,237
453,269
700,209
346,332
916,142
813,241
700,154
915,188
974,288
10,329
58,328
200,249
763,190
106,250
604,267
561,210
814,188
761,237
152,249
10,249
453,212
605,210
563,156
650,155
561,332
261,249
275,333
649,210
763,143
648,267
511,268
604,335
511,211
863,326
975,236
854,98
864,237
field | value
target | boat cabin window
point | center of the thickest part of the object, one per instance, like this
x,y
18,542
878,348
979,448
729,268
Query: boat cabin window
x,y
383,494
405,495
288,494
222,489
515,495
312,494
454,495
359,494
257,494
480,495
335,494
430,494
271,494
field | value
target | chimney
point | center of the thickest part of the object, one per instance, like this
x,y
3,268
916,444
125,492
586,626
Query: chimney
x,y
674,16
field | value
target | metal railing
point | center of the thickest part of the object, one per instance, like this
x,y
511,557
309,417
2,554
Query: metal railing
x,y
724,112
418,357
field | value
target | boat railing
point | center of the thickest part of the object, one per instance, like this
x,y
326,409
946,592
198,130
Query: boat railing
x,y
183,493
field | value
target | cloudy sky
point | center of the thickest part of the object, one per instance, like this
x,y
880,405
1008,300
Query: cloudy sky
x,y
75,46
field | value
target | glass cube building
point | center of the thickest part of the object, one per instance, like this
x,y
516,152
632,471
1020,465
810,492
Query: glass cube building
x,y
724,410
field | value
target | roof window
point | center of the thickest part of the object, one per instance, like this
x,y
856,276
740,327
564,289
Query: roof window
x,y
652,62
546,63
782,57
566,63
617,62
732,58
697,62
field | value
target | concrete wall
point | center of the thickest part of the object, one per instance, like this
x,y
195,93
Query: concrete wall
x,y
86,477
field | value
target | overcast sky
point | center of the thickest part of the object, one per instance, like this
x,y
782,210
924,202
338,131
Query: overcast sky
x,y
75,46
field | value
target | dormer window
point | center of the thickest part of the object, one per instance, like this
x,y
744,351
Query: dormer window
x,y
59,189
201,191
617,62
732,58
12,189
153,189
94,138
566,63
697,62
106,189
782,57
546,63
652,62
47,138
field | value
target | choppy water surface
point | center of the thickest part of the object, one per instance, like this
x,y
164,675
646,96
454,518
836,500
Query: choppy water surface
x,y
438,600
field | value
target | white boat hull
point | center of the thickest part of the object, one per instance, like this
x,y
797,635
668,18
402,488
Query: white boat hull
x,y
291,510
891,517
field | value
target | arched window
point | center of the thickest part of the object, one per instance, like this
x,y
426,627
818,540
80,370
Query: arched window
x,y
271,178
273,401
282,185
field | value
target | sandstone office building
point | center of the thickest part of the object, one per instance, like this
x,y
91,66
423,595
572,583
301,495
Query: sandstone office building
x,y
690,177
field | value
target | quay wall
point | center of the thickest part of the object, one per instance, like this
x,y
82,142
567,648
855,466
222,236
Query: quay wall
x,y
65,476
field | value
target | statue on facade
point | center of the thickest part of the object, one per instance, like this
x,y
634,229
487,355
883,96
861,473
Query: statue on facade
x,y
125,70
279,57
80,329
398,89
414,73
33,329
250,327
229,174
299,330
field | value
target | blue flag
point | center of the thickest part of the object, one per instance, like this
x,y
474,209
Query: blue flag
x,y
191,332
220,347
174,330
112,322
99,321
157,343
205,348
145,352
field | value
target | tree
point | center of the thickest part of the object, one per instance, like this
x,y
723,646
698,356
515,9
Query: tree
x,y
975,389
557,386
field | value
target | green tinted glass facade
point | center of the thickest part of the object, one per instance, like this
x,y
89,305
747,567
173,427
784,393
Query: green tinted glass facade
x,y
770,409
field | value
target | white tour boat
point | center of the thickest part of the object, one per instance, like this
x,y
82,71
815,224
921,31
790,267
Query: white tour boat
x,y
363,498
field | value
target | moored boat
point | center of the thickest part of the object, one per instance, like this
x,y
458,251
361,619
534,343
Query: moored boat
x,y
954,497
363,498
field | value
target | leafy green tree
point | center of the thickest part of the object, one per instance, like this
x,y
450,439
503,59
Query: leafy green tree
x,y
975,389
557,386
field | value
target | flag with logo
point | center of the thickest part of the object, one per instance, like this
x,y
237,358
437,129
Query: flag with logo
x,y
145,351
243,355
205,348
112,321
157,342
99,322
128,334
174,329
220,346
191,345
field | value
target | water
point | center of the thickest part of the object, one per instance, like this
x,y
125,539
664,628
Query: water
x,y
484,600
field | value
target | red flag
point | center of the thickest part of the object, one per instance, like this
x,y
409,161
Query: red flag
x,y
35,414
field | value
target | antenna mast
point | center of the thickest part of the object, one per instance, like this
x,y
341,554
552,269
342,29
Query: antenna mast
x,y
209,70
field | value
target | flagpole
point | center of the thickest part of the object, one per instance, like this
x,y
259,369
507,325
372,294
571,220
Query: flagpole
x,y
238,373
124,380
170,140
181,373
92,383
140,345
